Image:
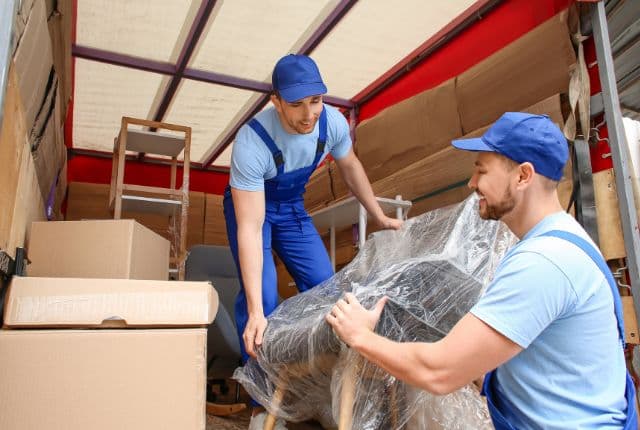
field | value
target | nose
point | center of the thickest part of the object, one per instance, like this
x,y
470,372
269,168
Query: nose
x,y
473,182
309,113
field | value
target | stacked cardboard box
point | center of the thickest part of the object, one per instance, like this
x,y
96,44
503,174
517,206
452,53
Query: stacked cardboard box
x,y
103,350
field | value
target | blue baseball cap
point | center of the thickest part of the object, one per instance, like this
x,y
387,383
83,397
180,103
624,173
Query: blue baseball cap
x,y
296,77
524,137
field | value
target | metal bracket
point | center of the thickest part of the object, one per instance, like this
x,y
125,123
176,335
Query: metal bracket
x,y
585,202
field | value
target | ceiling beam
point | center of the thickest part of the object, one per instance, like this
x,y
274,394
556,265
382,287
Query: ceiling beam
x,y
197,28
307,47
163,68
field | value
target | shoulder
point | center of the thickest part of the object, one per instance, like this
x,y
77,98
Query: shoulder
x,y
335,118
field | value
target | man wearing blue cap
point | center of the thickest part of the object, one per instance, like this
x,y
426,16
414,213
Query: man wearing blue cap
x,y
548,329
274,155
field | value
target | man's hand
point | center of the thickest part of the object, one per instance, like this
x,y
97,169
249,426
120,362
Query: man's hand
x,y
351,321
390,223
253,333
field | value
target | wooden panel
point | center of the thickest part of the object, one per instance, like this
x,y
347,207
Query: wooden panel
x,y
630,321
608,213
532,68
13,138
215,228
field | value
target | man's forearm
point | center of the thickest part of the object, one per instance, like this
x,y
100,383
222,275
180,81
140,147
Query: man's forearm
x,y
357,181
418,364
250,256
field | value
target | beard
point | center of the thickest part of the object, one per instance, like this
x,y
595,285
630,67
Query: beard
x,y
498,210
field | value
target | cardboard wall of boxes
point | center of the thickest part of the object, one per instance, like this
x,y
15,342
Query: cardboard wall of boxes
x,y
405,149
32,149
111,343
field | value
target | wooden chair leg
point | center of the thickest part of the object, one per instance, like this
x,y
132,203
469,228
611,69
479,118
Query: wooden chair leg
x,y
347,397
393,405
225,410
278,395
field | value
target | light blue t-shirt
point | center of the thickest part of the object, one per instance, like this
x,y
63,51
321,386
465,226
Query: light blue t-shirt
x,y
550,298
252,162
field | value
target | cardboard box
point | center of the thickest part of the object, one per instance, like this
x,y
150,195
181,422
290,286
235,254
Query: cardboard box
x,y
532,68
103,379
85,303
91,201
215,227
33,62
117,249
408,131
318,191
13,138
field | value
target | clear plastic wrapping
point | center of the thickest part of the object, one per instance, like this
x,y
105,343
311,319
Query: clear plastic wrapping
x,y
433,270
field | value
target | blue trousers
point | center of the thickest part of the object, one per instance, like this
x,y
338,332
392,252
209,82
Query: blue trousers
x,y
289,231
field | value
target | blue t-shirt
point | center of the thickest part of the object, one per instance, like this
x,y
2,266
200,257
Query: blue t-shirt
x,y
252,162
550,298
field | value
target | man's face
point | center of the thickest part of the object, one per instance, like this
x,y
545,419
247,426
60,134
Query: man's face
x,y
492,180
298,117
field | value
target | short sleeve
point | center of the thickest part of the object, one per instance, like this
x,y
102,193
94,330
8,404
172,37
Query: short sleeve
x,y
339,129
249,161
528,293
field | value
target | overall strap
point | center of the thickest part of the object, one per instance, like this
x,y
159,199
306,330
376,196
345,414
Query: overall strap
x,y
322,138
602,265
275,152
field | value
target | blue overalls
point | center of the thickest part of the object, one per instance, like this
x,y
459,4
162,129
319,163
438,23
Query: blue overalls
x,y
287,229
497,408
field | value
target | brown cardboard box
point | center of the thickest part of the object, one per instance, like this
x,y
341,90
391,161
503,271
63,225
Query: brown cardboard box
x,y
119,249
60,22
408,131
103,379
530,69
318,192
215,228
91,201
90,303
33,62
13,138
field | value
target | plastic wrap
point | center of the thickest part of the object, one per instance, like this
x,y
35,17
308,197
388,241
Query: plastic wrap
x,y
433,270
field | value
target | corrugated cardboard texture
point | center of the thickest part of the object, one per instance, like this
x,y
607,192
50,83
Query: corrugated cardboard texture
x,y
13,138
318,192
91,201
47,143
530,69
119,249
79,303
611,239
339,187
215,228
34,62
408,131
60,22
28,207
103,379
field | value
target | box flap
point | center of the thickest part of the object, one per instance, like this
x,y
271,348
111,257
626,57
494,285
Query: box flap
x,y
76,302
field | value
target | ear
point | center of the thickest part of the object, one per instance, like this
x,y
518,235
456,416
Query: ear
x,y
526,173
276,102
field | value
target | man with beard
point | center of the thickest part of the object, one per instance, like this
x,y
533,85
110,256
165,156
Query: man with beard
x,y
548,329
273,157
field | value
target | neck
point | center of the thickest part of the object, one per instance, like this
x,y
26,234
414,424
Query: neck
x,y
532,209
